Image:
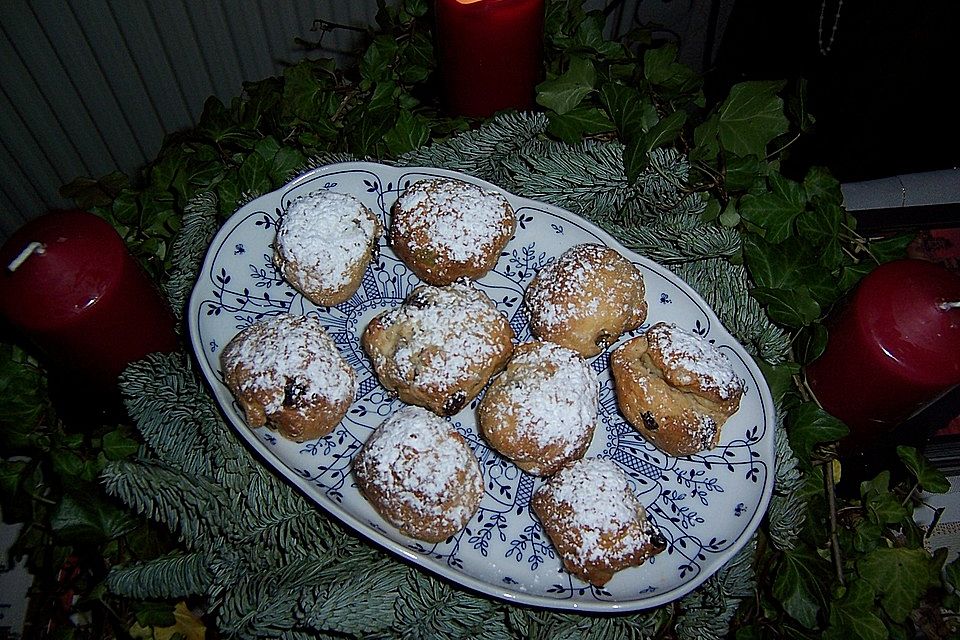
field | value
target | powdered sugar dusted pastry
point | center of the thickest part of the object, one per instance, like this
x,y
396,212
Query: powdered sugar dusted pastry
x,y
446,229
324,243
595,521
420,475
676,388
286,373
440,347
541,411
586,299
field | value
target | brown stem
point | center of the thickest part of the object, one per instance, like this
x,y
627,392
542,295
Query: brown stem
x,y
832,504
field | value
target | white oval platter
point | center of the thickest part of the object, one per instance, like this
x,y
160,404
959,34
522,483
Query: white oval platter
x,y
707,506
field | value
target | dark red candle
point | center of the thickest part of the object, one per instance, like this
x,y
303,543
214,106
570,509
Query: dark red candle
x,y
489,54
893,349
69,286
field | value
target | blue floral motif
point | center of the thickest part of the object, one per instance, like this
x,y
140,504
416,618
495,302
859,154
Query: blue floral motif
x,y
690,499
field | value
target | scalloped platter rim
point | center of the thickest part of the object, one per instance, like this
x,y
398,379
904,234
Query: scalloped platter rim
x,y
707,505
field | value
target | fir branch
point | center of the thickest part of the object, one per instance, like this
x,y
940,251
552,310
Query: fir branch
x,y
669,243
550,625
586,178
177,575
484,152
187,504
360,603
724,286
428,608
189,247
787,511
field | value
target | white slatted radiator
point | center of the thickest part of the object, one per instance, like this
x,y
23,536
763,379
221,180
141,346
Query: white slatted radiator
x,y
88,87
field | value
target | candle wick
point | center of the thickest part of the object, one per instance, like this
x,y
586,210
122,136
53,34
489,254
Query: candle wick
x,y
949,305
30,249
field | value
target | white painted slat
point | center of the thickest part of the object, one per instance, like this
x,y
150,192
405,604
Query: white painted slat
x,y
154,71
29,119
88,87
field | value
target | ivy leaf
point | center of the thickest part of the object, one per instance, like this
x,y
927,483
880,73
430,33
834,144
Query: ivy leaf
x,y
808,425
929,477
589,36
303,93
375,65
630,112
799,585
821,227
779,377
891,248
811,342
416,59
822,186
12,473
853,616
791,307
254,175
410,132
899,576
791,264
665,131
881,505
117,445
83,516
661,68
867,536
952,573
635,159
775,211
281,160
706,141
66,464
750,117
22,388
741,172
564,93
851,274
572,126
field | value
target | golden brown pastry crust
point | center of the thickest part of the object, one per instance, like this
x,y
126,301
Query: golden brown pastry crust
x,y
595,521
287,374
325,240
586,299
541,411
445,229
420,475
675,388
440,347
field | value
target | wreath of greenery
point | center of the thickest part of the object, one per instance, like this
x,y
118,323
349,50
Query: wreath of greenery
x,y
627,137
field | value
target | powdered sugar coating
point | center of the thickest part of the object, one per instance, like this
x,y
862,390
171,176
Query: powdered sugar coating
x,y
324,238
559,405
565,289
452,326
602,508
594,520
586,299
278,349
542,410
691,360
421,475
445,229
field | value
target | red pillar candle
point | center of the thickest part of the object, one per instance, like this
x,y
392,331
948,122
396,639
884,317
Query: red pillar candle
x,y
489,54
892,350
69,286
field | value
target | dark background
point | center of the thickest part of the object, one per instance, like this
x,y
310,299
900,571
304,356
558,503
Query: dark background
x,y
883,96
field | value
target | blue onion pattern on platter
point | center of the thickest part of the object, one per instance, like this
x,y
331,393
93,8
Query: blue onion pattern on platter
x,y
707,505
